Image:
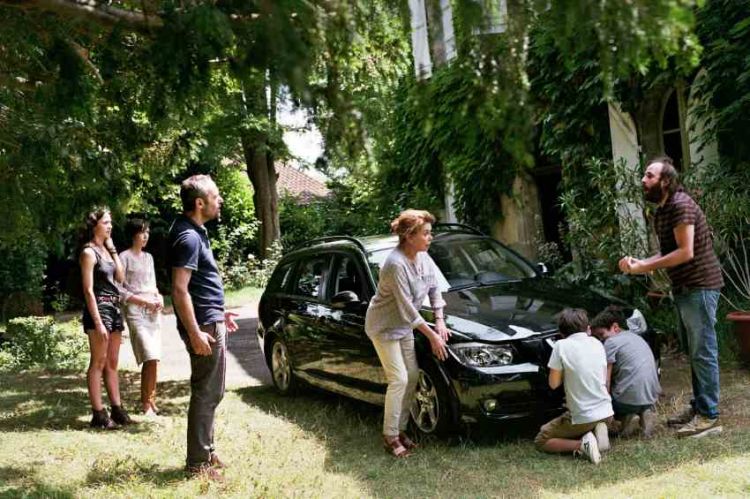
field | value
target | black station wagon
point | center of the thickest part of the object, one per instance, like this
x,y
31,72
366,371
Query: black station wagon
x,y
501,311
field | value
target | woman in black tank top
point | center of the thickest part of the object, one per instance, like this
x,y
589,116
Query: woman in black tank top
x,y
101,273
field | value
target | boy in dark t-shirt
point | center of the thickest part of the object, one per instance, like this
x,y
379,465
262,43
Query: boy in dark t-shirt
x,y
632,378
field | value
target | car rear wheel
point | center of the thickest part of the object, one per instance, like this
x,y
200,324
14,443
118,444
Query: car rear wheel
x,y
431,413
281,368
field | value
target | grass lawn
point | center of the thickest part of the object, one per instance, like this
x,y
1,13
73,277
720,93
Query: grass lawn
x,y
317,445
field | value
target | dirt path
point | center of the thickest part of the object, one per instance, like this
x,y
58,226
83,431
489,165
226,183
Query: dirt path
x,y
245,364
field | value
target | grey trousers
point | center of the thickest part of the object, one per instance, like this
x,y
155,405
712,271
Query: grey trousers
x,y
206,391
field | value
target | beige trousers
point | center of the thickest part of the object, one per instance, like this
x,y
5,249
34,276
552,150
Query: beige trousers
x,y
402,373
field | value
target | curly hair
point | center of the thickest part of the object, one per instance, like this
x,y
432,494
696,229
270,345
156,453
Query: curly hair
x,y
409,222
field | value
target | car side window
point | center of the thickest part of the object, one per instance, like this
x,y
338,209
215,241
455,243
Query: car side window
x,y
312,274
347,277
281,277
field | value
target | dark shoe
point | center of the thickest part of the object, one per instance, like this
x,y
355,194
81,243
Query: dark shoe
x,y
101,420
206,472
216,462
648,422
121,416
681,417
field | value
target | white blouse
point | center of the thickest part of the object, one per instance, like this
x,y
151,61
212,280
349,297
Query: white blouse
x,y
402,287
140,276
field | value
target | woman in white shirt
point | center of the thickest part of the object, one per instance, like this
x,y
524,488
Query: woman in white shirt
x,y
143,304
407,276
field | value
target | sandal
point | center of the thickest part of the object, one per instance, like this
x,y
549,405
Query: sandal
x,y
394,447
407,442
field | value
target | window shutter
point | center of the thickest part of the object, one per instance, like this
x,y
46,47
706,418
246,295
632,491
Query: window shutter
x,y
449,37
420,43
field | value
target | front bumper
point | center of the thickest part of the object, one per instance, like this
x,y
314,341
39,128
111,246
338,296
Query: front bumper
x,y
502,393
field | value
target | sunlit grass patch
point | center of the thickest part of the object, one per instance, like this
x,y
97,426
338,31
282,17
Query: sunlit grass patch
x,y
319,445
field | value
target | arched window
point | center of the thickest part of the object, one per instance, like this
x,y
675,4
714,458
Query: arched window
x,y
671,130
674,128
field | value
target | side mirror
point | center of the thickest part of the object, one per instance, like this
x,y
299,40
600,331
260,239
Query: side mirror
x,y
344,300
542,268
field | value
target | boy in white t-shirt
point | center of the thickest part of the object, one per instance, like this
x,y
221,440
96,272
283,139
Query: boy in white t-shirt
x,y
578,361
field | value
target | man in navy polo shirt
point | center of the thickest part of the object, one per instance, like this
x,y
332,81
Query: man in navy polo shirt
x,y
198,298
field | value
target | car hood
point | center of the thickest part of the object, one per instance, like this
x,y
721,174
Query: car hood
x,y
514,310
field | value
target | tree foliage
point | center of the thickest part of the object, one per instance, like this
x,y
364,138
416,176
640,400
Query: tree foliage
x,y
538,89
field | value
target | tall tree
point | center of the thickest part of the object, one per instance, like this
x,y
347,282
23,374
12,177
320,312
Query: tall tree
x,y
177,53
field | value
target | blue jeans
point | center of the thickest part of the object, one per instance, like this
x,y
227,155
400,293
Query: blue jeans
x,y
697,310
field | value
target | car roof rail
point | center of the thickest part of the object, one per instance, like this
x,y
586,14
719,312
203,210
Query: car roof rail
x,y
456,227
330,239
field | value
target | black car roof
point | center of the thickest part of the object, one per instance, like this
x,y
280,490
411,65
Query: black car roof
x,y
371,244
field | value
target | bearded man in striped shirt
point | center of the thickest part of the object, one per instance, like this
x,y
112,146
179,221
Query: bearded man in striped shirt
x,y
687,253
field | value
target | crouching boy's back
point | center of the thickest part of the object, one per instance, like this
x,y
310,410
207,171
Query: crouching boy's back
x,y
579,363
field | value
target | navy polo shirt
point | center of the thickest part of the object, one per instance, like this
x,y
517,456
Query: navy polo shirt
x,y
190,248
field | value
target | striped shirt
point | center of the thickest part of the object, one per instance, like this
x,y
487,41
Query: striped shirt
x,y
402,287
703,271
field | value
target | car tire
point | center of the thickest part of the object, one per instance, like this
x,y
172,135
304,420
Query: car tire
x,y
280,365
431,413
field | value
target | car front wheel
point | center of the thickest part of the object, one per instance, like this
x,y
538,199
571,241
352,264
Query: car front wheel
x,y
281,368
431,413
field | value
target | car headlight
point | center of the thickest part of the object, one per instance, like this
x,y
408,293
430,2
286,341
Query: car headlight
x,y
481,355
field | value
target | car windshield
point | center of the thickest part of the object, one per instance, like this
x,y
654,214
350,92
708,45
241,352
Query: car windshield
x,y
468,261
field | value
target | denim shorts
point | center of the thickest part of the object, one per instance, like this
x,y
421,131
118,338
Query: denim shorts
x,y
110,314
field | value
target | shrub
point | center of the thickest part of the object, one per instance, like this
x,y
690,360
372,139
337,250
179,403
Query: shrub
x,y
252,272
8,362
37,342
21,274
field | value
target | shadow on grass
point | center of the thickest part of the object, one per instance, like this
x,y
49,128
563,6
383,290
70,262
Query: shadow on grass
x,y
493,460
58,400
28,485
133,471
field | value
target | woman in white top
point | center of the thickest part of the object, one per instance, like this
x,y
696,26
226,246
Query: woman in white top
x,y
407,276
142,306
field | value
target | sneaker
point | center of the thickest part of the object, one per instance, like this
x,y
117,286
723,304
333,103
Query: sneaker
x,y
206,472
698,425
629,426
681,417
601,432
648,422
121,416
101,420
590,449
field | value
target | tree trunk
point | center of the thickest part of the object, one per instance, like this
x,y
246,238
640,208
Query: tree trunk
x,y
260,166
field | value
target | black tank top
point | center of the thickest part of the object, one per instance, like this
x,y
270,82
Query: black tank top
x,y
104,276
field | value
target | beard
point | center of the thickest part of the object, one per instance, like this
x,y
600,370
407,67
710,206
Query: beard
x,y
654,194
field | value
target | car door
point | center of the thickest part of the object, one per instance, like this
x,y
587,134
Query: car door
x,y
350,356
307,315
